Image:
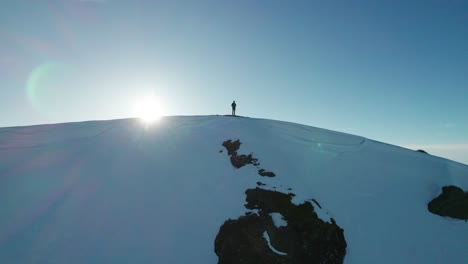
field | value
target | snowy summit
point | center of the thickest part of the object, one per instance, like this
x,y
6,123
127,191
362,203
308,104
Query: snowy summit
x,y
220,189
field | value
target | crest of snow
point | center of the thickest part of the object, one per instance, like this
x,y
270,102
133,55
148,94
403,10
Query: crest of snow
x,y
121,192
267,238
278,220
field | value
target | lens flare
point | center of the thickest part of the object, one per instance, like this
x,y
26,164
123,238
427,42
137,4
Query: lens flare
x,y
45,83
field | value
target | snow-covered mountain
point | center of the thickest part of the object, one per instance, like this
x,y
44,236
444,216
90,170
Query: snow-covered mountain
x,y
121,192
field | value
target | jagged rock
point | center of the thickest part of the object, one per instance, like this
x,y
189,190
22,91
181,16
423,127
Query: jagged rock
x,y
241,242
232,146
264,173
238,161
306,238
453,202
242,160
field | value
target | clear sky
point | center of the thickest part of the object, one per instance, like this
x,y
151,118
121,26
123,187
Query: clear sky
x,y
394,71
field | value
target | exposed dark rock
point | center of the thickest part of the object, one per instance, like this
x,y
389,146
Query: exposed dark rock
x,y
264,173
242,160
422,151
241,241
306,238
238,161
453,202
232,146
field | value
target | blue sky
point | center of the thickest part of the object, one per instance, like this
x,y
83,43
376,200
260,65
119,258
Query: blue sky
x,y
394,71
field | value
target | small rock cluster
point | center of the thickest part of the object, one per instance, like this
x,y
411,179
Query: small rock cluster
x,y
238,161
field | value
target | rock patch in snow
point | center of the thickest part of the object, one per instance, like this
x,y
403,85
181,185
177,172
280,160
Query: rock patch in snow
x,y
241,241
238,161
265,173
453,202
276,230
305,239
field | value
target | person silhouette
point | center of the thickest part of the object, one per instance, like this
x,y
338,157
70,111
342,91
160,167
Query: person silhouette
x,y
233,105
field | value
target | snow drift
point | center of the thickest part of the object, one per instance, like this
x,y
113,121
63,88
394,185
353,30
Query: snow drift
x,y
121,192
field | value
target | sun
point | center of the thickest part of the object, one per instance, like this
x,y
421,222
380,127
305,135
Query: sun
x,y
148,109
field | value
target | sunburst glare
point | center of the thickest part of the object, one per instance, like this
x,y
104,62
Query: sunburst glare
x,y
149,109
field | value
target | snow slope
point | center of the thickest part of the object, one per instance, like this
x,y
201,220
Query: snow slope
x,y
119,192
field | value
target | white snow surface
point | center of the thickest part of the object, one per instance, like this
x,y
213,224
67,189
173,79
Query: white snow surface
x,y
267,238
278,220
321,213
119,192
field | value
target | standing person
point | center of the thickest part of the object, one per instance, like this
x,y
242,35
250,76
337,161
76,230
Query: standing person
x,y
233,105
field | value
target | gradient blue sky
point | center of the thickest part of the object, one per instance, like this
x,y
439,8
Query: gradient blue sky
x,y
394,71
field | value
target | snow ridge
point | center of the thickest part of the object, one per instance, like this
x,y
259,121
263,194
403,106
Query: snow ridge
x,y
118,192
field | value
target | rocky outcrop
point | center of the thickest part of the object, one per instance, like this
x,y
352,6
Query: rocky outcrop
x,y
305,238
453,202
256,238
241,241
232,146
238,161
